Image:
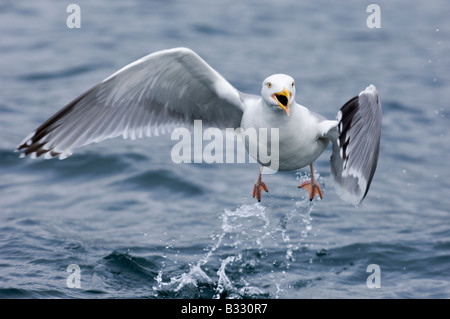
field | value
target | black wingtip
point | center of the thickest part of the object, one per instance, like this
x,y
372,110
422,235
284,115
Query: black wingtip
x,y
346,119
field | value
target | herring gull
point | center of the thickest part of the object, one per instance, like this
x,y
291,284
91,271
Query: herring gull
x,y
171,87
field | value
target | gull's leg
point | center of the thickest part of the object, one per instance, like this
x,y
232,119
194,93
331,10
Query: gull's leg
x,y
312,186
259,186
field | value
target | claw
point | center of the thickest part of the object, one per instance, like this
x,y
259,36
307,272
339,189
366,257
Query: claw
x,y
258,188
312,188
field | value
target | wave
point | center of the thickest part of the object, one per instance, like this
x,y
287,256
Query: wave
x,y
163,178
60,74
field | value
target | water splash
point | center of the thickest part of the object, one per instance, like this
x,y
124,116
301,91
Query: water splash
x,y
301,210
247,235
224,283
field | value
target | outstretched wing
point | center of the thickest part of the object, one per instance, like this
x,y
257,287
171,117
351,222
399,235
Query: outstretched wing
x,y
157,92
356,145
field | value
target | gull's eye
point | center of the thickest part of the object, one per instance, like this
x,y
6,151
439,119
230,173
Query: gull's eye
x,y
293,84
269,85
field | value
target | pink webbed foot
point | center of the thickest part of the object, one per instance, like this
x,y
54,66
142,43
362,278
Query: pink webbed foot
x,y
258,188
313,189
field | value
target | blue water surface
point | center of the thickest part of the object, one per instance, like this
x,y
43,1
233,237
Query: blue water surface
x,y
140,226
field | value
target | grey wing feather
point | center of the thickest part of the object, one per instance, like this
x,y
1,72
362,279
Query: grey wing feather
x,y
356,145
153,94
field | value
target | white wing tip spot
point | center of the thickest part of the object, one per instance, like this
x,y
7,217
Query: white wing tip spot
x,y
371,89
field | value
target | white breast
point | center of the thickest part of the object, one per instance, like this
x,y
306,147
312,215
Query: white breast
x,y
298,144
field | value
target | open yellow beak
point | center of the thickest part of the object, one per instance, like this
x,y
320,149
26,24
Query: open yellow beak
x,y
283,99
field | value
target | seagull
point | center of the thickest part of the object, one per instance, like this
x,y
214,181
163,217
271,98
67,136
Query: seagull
x,y
167,88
